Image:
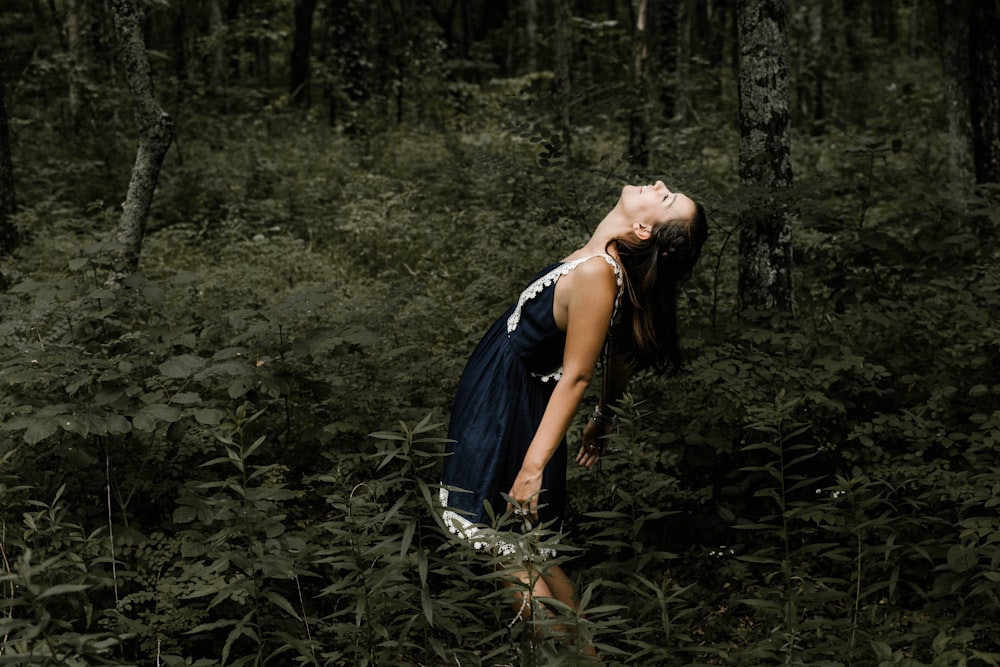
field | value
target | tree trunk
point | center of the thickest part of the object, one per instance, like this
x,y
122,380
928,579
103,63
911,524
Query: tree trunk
x,y
73,51
233,12
855,34
682,106
301,59
662,20
853,71
984,49
262,63
710,37
953,23
561,84
531,35
156,132
217,67
885,24
638,130
765,254
811,31
8,200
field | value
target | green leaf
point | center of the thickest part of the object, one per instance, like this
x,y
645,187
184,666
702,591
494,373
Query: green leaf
x,y
281,602
186,398
407,538
209,416
606,514
214,625
163,412
961,558
39,430
240,386
387,435
764,605
62,589
182,367
185,514
73,424
759,559
254,447
427,604
117,425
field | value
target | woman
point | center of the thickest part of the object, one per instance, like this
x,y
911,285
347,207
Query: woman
x,y
615,296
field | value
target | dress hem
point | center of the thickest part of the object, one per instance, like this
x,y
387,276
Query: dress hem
x,y
482,537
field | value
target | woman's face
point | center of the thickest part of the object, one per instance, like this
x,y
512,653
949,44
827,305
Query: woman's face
x,y
652,204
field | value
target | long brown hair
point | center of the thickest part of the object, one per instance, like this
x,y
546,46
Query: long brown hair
x,y
654,270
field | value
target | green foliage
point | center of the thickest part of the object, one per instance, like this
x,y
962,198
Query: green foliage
x,y
53,573
196,468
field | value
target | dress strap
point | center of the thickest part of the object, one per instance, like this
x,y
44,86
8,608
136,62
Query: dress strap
x,y
618,281
536,287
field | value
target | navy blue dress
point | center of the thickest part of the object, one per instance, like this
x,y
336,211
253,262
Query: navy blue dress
x,y
498,406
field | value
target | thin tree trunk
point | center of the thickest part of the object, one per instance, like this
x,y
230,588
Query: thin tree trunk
x,y
663,42
398,85
682,106
765,254
809,26
333,36
8,200
217,69
714,40
156,132
262,62
301,59
854,34
232,16
531,35
638,135
73,50
953,22
884,22
984,43
562,82
832,40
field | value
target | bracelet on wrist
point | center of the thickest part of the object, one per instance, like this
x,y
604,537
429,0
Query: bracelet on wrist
x,y
599,417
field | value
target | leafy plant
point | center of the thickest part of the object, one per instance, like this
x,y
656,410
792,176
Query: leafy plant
x,y
51,568
243,564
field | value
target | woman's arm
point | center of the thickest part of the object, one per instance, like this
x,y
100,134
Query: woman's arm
x,y
588,297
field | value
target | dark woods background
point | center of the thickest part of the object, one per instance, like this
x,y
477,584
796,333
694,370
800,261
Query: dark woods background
x,y
247,246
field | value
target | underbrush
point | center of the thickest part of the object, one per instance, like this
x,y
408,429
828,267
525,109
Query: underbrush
x,y
234,458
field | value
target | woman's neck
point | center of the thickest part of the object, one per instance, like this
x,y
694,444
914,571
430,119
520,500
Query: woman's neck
x,y
614,225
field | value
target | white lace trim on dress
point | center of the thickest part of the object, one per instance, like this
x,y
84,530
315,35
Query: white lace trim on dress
x,y
535,288
483,537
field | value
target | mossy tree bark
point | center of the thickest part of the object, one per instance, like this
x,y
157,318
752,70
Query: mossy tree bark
x,y
8,200
765,254
562,85
156,132
984,49
953,22
638,126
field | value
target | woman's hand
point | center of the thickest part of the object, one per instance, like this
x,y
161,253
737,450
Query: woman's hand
x,y
526,489
593,444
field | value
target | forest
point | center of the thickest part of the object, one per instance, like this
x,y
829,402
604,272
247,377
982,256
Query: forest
x,y
247,246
